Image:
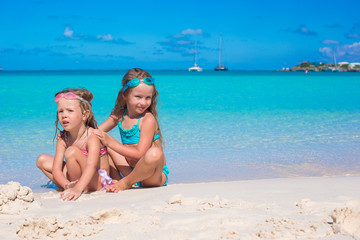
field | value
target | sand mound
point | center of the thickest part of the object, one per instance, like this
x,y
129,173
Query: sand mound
x,y
84,226
347,220
14,198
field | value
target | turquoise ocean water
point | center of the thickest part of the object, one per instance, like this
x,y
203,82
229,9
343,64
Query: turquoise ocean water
x,y
218,126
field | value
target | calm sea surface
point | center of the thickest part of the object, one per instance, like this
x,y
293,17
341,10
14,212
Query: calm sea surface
x,y
218,126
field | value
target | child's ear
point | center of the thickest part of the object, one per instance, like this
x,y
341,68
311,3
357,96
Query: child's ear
x,y
86,114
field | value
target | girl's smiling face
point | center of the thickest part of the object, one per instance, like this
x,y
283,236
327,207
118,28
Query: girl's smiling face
x,y
139,98
70,114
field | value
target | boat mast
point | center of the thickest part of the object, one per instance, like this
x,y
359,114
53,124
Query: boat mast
x,y
334,58
195,54
220,50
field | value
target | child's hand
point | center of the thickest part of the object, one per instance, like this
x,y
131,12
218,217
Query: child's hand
x,y
103,136
70,184
59,135
70,194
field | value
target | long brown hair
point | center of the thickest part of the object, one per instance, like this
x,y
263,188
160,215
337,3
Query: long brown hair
x,y
84,106
120,104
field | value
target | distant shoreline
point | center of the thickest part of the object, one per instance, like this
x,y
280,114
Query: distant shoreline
x,y
121,70
157,70
306,66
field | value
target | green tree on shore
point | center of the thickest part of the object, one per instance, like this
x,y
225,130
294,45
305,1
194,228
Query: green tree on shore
x,y
305,65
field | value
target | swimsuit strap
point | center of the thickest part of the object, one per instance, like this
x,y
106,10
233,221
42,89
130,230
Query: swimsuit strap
x,y
86,140
138,120
66,139
123,116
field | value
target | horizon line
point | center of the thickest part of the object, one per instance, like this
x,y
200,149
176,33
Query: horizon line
x,y
115,70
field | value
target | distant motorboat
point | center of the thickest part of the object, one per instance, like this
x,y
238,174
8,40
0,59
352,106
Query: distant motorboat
x,y
220,67
195,68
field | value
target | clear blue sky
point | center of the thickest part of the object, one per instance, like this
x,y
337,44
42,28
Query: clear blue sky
x,y
109,34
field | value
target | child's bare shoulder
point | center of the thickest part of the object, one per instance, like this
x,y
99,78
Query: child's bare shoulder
x,y
93,139
61,141
148,119
148,116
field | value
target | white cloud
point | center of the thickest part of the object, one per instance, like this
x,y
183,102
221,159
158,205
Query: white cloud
x,y
348,52
330,42
353,49
107,37
182,42
326,51
304,31
192,32
68,32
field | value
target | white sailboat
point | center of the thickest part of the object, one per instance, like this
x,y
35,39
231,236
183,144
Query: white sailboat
x,y
195,68
335,69
220,67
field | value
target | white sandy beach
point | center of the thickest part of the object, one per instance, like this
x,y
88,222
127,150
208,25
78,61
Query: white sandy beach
x,y
286,208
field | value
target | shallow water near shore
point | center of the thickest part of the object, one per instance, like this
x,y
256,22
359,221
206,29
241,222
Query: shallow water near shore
x,y
218,126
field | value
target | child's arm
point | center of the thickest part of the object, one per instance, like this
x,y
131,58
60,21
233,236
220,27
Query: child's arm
x,y
57,168
109,123
146,137
87,173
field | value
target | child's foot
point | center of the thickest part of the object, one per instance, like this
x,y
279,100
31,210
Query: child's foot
x,y
118,186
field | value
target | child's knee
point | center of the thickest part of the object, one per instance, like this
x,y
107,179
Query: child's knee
x,y
40,161
154,155
70,152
